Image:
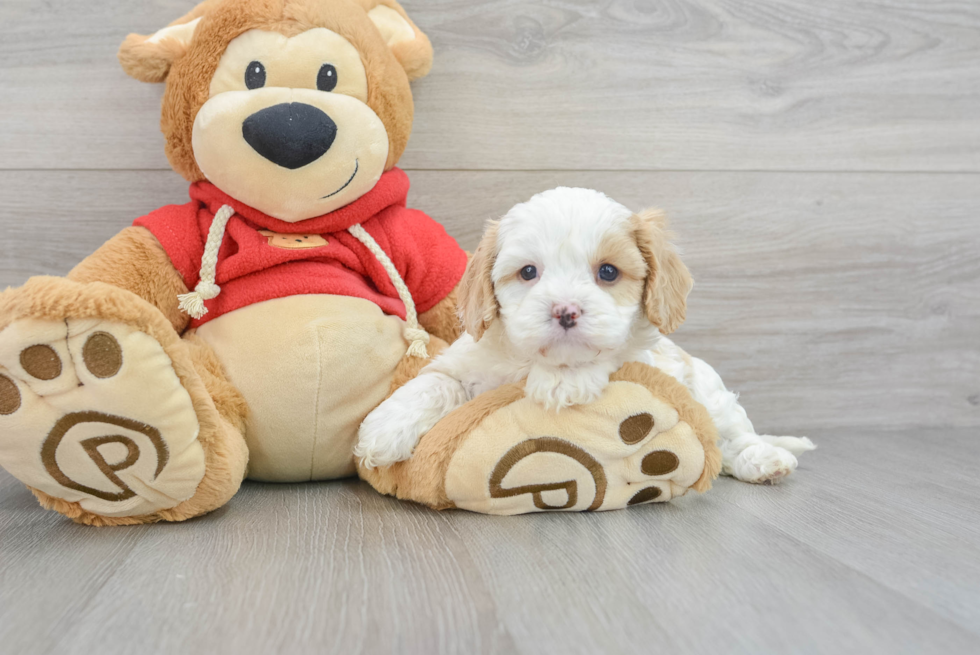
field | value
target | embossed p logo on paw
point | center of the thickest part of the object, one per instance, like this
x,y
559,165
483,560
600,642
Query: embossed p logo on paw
x,y
90,466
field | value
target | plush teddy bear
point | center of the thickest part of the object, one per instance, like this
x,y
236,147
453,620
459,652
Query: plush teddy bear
x,y
248,332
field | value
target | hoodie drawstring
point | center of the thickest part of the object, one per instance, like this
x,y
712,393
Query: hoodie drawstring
x,y
417,337
193,303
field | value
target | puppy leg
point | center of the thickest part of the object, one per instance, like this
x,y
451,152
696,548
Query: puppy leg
x,y
747,456
390,433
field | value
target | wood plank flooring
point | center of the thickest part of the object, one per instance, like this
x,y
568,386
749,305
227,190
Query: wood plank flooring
x,y
870,547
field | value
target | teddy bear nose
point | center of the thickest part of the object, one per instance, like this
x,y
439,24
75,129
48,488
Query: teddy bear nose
x,y
291,134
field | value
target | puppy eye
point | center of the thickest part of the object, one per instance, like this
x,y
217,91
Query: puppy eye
x,y
255,75
608,273
326,79
529,273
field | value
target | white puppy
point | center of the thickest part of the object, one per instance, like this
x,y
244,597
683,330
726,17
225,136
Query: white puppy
x,y
563,291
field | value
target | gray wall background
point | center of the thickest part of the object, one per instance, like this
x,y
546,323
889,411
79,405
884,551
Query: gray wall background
x,y
821,162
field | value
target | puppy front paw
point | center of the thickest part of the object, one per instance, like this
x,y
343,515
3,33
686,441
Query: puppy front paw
x,y
382,442
390,433
385,438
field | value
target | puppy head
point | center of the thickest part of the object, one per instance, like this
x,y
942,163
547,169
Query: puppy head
x,y
573,274
294,107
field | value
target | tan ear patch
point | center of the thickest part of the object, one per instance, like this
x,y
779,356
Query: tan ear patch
x,y
477,301
619,248
668,281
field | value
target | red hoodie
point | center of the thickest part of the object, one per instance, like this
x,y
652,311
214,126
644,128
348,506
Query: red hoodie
x,y
257,260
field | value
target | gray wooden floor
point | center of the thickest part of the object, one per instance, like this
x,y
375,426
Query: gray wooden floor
x,y
872,547
821,161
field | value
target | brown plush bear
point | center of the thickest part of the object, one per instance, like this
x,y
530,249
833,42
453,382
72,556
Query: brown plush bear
x,y
248,332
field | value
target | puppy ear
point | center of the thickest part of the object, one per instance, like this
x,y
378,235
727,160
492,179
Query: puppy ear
x,y
477,301
410,46
668,280
148,58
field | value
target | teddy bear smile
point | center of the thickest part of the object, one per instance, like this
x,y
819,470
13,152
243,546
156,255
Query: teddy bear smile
x,y
357,165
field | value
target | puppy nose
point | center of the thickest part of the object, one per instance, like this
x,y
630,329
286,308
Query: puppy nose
x,y
291,134
566,314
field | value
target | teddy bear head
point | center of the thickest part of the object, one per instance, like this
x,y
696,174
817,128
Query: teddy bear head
x,y
293,107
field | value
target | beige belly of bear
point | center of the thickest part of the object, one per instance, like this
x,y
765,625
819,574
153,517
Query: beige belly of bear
x,y
311,368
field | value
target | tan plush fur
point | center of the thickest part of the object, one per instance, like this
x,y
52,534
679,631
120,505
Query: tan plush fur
x,y
409,367
477,300
135,261
668,280
50,298
442,320
191,67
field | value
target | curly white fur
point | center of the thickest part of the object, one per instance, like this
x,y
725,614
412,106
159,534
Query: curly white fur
x,y
561,233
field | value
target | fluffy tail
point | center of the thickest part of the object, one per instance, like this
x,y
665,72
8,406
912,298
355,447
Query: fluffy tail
x,y
795,445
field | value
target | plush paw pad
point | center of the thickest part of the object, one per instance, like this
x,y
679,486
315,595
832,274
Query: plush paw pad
x,y
93,412
627,448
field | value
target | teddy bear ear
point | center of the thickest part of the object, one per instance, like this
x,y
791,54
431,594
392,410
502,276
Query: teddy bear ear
x,y
148,58
410,46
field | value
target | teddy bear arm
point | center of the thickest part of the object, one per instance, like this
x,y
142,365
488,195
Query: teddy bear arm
x,y
135,261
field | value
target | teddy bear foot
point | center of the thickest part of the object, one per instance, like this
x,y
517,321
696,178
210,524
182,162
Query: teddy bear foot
x,y
645,440
92,413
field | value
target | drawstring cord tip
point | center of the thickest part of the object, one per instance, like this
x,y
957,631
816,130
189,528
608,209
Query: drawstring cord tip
x,y
193,303
417,339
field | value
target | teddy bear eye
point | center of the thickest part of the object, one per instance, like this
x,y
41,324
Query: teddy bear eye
x,y
326,79
608,273
255,75
529,273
